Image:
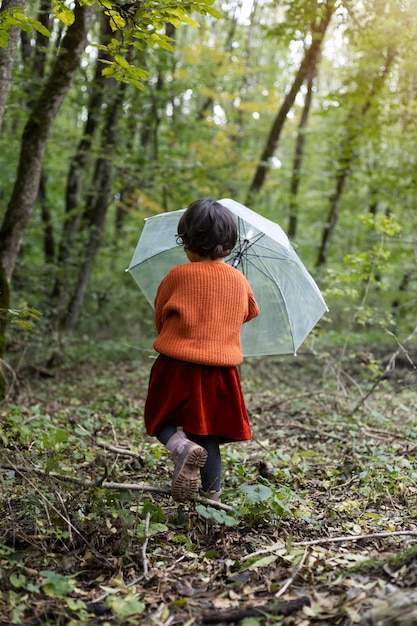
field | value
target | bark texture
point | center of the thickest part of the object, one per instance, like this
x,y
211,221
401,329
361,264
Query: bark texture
x,y
7,55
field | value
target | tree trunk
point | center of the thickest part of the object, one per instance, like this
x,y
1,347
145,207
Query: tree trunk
x,y
7,55
307,66
298,160
48,232
20,208
353,131
4,307
76,177
98,203
35,134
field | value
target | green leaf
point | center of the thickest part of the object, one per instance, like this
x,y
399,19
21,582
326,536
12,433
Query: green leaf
x,y
256,493
39,27
121,61
210,513
188,20
4,39
75,604
116,20
125,606
18,581
64,14
262,562
55,585
153,529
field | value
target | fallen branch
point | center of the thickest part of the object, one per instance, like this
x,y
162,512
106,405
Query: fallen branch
x,y
382,535
324,540
145,545
237,615
93,484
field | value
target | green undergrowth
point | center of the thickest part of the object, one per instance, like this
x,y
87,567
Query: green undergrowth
x,y
90,534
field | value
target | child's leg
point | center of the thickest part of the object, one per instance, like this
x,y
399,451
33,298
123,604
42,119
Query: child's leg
x,y
166,433
188,458
211,472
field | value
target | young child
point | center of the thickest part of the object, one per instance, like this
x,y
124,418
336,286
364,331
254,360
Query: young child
x,y
195,400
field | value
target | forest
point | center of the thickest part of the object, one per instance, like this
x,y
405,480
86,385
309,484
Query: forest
x,y
112,112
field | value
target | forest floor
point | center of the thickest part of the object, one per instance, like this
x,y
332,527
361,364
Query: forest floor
x,y
318,522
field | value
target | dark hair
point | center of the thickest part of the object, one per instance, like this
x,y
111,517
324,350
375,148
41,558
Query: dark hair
x,y
208,229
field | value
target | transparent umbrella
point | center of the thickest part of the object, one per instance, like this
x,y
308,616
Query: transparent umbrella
x,y
288,297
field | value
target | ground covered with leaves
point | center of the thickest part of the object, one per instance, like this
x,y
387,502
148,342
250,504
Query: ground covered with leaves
x,y
317,525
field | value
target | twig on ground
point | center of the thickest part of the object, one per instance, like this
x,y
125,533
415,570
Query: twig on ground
x,y
341,539
113,429
378,433
145,545
60,498
118,449
293,576
324,540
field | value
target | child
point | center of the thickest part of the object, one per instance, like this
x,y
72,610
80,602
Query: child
x,y
195,400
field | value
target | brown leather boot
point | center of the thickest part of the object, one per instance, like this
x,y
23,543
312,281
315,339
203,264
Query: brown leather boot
x,y
188,457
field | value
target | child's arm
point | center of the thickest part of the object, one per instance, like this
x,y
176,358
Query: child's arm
x,y
159,303
253,309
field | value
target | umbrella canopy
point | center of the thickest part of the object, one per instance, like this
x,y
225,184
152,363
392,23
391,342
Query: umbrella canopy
x,y
289,300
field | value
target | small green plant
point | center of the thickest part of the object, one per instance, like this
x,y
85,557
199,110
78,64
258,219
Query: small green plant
x,y
22,318
262,503
221,517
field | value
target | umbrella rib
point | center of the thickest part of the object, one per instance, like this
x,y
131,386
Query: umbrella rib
x,y
266,272
256,241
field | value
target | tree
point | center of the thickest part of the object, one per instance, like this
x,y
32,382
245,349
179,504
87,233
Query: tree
x,y
298,159
33,145
353,130
307,67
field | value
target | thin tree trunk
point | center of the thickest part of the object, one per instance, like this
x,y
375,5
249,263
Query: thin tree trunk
x,y
77,174
298,159
98,203
48,233
7,55
35,49
4,307
36,46
307,66
352,133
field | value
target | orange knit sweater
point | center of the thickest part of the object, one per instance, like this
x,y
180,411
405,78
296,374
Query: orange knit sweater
x,y
199,310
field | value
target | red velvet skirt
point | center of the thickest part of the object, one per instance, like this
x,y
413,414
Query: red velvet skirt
x,y
203,399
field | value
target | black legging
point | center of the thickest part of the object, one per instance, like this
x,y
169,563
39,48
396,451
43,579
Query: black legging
x,y
211,473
